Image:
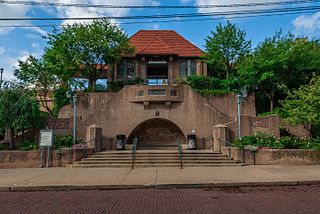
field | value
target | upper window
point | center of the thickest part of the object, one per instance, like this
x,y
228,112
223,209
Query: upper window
x,y
126,70
187,68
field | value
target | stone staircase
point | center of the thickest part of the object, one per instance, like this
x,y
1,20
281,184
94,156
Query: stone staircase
x,y
156,158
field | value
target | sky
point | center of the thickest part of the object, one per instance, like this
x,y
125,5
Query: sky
x,y
18,43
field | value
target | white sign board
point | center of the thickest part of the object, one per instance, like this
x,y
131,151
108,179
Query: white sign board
x,y
46,138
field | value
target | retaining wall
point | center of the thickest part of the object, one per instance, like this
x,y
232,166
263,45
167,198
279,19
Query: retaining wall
x,y
274,156
31,159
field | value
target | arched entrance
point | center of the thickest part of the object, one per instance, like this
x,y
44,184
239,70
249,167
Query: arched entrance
x,y
157,132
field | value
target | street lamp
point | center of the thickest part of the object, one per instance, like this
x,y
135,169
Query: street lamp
x,y
241,96
1,72
73,100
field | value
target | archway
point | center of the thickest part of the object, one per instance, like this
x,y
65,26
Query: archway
x,y
156,132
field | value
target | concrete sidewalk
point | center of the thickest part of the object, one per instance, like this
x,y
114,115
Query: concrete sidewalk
x,y
112,178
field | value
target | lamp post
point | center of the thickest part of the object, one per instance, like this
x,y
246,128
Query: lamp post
x,y
241,96
1,72
73,100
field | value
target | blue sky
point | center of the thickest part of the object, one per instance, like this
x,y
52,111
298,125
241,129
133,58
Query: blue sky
x,y
18,43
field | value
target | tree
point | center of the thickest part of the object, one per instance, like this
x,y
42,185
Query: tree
x,y
35,75
302,106
225,48
279,64
86,50
18,111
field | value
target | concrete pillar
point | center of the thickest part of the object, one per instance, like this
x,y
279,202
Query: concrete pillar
x,y
205,68
198,66
170,70
143,68
220,137
94,137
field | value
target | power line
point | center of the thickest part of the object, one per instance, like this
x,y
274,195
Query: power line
x,y
184,15
158,21
60,4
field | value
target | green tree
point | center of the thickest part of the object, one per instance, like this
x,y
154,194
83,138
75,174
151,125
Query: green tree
x,y
279,64
224,48
302,106
18,111
86,50
35,75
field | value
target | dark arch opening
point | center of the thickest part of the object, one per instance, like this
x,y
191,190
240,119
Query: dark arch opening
x,y
156,131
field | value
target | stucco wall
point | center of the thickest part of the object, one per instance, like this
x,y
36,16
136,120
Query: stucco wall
x,y
116,113
31,159
275,156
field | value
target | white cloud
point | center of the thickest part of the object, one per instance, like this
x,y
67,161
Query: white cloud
x,y
154,26
228,2
11,11
307,24
9,63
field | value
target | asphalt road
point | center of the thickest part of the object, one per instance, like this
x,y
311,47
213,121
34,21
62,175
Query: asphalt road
x,y
290,199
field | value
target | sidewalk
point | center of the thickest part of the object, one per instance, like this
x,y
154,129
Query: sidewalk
x,y
113,178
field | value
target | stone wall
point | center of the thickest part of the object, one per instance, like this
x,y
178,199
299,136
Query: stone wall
x,y
31,159
274,156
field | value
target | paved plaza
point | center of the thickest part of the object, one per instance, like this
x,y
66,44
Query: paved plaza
x,y
284,199
110,178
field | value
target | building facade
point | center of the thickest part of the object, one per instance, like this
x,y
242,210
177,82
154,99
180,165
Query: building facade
x,y
160,111
161,56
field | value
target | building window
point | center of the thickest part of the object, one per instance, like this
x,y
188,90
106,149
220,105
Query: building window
x,y
174,93
187,68
157,93
126,70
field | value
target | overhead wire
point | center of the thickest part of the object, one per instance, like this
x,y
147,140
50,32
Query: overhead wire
x,y
61,4
163,16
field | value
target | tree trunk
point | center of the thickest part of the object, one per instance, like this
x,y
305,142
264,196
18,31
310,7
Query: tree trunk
x,y
22,136
272,100
92,84
11,138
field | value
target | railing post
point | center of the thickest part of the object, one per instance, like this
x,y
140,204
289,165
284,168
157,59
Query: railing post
x,y
133,151
179,152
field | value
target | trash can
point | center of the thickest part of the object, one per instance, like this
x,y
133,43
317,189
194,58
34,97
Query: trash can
x,y
120,141
191,141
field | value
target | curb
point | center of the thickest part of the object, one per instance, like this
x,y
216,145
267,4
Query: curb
x,y
158,186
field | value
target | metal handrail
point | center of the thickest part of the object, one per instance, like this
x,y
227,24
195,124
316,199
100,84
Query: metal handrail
x,y
133,151
179,147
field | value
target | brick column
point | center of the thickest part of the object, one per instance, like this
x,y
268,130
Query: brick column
x,y
93,137
220,137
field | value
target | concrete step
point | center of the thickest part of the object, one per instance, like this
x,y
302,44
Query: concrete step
x,y
149,165
156,161
153,158
156,158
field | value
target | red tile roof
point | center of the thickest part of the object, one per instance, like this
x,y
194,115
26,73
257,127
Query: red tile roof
x,y
163,42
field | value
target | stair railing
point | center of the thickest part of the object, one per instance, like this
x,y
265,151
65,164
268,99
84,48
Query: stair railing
x,y
133,151
179,146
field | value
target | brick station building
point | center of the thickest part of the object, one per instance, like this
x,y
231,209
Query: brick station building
x,y
160,111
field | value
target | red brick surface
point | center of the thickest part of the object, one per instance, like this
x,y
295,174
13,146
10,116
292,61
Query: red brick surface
x,y
301,199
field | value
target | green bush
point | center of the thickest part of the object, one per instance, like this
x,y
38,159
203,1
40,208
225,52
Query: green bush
x,y
2,147
115,86
211,85
66,141
285,142
27,146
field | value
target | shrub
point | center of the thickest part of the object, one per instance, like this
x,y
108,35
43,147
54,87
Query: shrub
x,y
27,146
66,141
115,86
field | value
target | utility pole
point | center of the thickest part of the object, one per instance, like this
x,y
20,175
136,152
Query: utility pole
x,y
1,72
